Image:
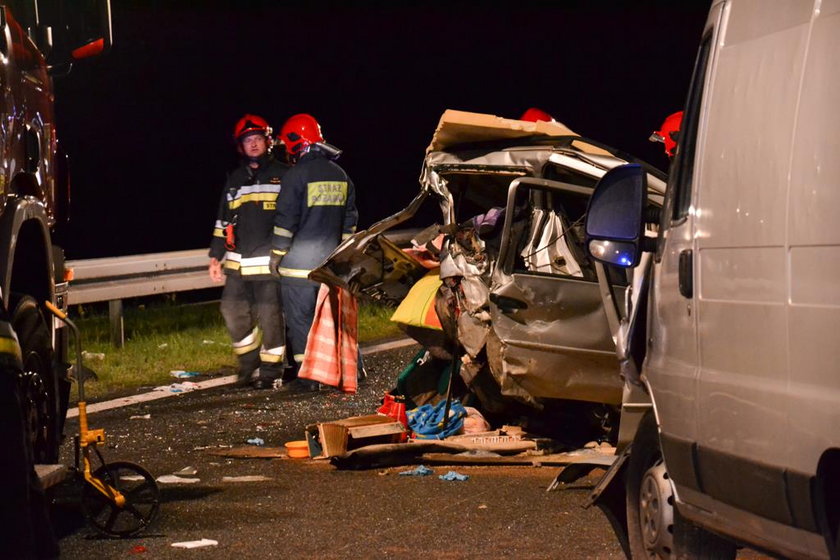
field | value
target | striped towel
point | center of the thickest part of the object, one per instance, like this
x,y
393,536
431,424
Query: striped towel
x,y
332,349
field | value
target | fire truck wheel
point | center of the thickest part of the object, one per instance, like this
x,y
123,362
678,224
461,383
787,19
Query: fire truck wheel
x,y
37,381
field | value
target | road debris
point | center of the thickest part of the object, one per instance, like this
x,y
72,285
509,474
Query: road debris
x,y
220,446
186,471
419,470
248,452
195,544
173,479
181,374
256,441
452,475
298,449
427,421
246,478
331,439
184,387
93,355
140,417
132,478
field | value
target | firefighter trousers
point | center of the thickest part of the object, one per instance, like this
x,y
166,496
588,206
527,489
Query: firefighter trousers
x,y
299,299
253,314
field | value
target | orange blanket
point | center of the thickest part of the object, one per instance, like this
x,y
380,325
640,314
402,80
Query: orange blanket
x,y
332,349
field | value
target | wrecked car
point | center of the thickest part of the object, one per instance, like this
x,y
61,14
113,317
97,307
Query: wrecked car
x,y
518,305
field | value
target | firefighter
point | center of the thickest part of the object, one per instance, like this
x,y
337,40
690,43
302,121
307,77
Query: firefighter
x,y
669,133
533,114
315,213
241,244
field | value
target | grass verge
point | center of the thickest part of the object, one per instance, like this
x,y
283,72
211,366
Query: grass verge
x,y
166,337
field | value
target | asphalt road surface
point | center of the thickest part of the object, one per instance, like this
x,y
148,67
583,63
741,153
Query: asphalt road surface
x,y
309,509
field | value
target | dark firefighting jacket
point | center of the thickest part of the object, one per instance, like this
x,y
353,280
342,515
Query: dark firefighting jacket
x,y
248,204
317,210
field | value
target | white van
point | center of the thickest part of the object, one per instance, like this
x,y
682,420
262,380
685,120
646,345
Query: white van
x,y
731,351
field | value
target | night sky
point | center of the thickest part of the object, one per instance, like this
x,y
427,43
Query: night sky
x,y
148,126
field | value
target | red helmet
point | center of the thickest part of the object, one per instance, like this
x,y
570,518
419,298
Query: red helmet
x,y
299,132
669,132
250,124
533,114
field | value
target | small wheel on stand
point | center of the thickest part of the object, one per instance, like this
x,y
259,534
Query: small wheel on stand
x,y
142,499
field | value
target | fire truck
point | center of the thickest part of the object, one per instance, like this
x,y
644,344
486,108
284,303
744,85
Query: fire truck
x,y
39,41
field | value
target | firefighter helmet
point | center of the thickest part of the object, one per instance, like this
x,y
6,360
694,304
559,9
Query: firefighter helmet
x,y
250,124
533,114
300,132
669,132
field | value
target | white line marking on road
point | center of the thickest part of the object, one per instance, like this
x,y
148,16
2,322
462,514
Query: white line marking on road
x,y
385,346
215,382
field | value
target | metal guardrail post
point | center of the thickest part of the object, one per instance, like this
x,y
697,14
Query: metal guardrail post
x,y
115,312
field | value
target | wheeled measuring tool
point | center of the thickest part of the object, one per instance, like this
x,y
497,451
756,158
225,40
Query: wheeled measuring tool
x,y
119,499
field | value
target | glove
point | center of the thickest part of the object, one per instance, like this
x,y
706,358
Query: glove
x,y
274,260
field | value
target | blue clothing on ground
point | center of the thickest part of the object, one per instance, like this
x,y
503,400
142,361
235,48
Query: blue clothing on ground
x,y
426,421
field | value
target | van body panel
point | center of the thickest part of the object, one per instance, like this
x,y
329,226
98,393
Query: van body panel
x,y
814,241
814,196
814,412
741,184
671,364
813,276
753,274
745,178
755,530
742,357
743,392
751,19
743,370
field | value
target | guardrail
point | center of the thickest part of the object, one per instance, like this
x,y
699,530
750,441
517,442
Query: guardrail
x,y
114,279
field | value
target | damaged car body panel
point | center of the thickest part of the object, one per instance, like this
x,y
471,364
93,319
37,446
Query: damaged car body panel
x,y
519,295
550,338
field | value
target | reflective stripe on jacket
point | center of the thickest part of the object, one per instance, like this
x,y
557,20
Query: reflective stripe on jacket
x,y
317,210
249,201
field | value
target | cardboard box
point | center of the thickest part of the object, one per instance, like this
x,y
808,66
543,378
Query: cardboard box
x,y
460,127
330,439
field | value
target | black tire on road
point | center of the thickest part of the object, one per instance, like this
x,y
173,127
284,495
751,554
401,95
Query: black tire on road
x,y
25,529
655,527
38,378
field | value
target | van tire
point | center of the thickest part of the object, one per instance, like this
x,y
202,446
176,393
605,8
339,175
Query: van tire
x,y
37,381
655,527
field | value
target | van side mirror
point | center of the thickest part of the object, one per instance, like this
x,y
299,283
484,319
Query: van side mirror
x,y
615,216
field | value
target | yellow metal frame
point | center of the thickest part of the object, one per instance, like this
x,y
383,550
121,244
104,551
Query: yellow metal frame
x,y
88,437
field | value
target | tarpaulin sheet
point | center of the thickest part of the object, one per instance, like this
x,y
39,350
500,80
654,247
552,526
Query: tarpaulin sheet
x,y
332,349
418,307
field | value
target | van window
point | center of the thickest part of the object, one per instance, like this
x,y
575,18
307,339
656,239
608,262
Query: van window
x,y
683,167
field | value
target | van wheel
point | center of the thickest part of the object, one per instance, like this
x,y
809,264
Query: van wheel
x,y
37,379
655,527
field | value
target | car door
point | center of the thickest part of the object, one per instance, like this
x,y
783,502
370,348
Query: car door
x,y
550,337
